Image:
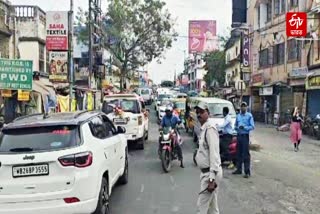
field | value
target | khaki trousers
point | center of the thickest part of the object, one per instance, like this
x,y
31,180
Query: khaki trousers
x,y
208,202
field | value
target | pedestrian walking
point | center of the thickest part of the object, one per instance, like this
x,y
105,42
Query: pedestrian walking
x,y
208,160
244,125
295,128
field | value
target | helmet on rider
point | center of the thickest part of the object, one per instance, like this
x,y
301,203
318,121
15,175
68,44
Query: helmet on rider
x,y
168,110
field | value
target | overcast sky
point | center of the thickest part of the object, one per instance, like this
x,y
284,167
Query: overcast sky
x,y
183,10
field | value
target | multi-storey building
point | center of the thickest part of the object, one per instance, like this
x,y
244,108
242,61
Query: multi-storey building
x,y
278,63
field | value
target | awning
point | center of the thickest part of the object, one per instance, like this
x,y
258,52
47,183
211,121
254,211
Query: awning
x,y
37,87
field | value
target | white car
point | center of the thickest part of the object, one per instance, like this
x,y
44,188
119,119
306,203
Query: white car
x,y
128,110
62,163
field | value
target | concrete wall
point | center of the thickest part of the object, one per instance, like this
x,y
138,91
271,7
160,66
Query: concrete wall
x,y
29,51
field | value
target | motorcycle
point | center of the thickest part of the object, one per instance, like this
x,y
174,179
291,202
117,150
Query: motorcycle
x,y
229,152
316,127
168,140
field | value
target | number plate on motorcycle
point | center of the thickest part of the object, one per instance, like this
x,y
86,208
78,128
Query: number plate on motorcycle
x,y
120,121
316,127
31,170
165,142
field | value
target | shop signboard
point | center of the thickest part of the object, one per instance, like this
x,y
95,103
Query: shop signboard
x,y
16,74
23,95
313,82
57,30
257,79
266,91
299,72
58,66
6,93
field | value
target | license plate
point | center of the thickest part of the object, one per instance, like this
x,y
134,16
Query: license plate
x,y
165,142
120,121
32,170
316,127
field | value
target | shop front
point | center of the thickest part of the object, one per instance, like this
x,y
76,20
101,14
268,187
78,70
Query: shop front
x,y
255,99
297,79
313,93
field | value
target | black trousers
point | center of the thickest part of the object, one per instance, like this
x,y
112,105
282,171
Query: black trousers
x,y
243,153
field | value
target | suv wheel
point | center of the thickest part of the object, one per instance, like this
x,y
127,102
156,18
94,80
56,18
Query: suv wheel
x,y
125,177
104,199
147,135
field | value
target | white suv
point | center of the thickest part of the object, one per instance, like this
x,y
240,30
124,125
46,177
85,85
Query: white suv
x,y
62,163
128,110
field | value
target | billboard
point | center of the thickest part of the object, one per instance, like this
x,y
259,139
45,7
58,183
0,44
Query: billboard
x,y
58,68
245,51
57,30
202,36
16,74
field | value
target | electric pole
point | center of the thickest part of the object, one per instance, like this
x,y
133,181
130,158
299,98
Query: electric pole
x,y
70,54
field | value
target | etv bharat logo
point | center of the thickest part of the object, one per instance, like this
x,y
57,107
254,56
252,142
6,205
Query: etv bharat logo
x,y
296,24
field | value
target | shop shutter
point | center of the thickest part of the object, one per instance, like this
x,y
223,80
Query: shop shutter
x,y
313,102
286,104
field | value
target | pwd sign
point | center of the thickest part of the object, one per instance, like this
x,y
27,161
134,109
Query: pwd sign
x,y
16,74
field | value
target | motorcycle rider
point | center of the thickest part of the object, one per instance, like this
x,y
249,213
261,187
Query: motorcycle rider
x,y
170,120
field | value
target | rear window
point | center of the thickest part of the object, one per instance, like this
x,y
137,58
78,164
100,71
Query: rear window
x,y
39,139
216,109
126,105
144,91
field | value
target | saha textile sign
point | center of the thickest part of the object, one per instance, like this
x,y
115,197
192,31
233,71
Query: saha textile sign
x,y
16,74
202,36
58,66
57,30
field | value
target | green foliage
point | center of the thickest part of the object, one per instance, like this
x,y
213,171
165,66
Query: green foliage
x,y
135,32
216,66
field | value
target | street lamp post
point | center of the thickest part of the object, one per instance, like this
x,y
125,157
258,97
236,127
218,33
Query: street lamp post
x,y
70,53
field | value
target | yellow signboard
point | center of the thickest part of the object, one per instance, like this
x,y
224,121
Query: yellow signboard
x,y
23,95
6,93
313,83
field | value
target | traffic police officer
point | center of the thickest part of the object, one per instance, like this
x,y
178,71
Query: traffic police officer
x,y
208,159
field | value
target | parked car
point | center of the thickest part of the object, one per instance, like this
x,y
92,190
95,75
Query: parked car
x,y
61,163
128,110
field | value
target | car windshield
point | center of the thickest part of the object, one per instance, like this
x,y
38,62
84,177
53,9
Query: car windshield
x,y
216,109
45,138
144,92
125,104
166,102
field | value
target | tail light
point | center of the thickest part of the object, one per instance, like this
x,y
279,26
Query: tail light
x,y
71,200
79,160
140,120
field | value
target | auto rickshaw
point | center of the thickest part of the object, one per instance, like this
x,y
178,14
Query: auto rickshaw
x,y
180,109
189,116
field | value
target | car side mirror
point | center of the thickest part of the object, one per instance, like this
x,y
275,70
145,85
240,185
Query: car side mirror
x,y
121,130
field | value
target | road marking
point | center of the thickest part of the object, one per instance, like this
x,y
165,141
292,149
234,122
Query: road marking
x,y
172,180
142,188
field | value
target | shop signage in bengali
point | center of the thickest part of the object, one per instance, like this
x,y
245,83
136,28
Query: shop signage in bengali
x,y
23,95
6,93
299,72
266,91
313,82
58,66
57,30
16,74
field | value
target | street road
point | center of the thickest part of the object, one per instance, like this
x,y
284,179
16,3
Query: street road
x,y
282,182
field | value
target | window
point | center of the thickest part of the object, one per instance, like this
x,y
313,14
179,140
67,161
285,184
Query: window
x,y
127,105
270,55
294,51
98,128
279,6
278,54
293,3
111,129
48,138
263,58
269,11
216,109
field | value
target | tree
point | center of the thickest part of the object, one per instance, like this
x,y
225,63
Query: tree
x,y
216,64
136,32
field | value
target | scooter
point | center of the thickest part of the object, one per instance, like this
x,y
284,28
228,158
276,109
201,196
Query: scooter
x,y
168,139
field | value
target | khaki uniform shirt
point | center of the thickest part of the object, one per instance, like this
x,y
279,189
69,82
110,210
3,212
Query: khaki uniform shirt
x,y
208,155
